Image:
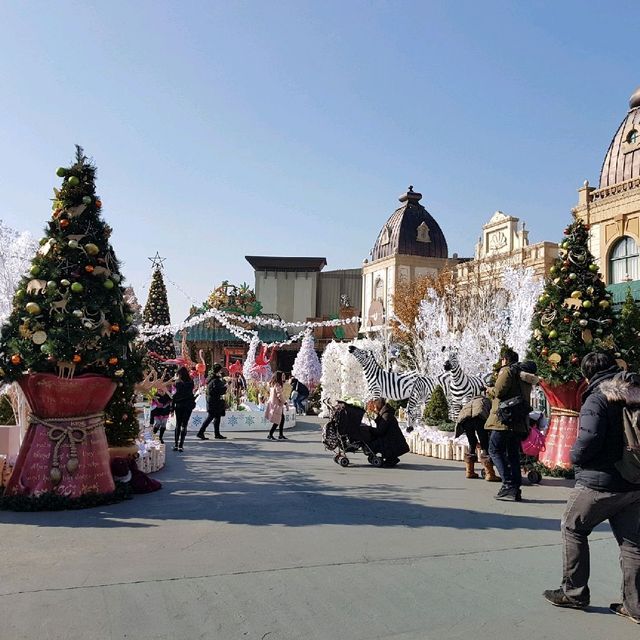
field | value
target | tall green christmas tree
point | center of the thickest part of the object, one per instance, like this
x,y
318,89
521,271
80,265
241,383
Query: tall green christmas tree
x,y
69,314
628,332
573,315
156,312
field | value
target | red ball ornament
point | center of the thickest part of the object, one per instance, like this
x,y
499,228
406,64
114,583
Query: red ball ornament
x,y
113,360
16,359
98,204
566,320
77,358
544,352
64,223
115,328
89,268
574,360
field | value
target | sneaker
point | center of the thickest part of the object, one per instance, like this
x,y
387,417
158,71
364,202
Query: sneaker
x,y
282,438
558,598
501,492
180,449
270,437
220,437
201,436
509,495
619,610
175,448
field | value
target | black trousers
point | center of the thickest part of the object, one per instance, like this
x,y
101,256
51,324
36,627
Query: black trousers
x,y
216,424
504,449
182,420
278,426
474,430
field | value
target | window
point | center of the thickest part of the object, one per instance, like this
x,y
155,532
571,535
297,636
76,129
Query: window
x,y
632,136
378,292
623,261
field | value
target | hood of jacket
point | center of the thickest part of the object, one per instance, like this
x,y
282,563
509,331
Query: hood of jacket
x,y
623,388
529,378
598,379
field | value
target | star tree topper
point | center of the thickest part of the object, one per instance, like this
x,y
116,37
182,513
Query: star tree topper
x,y
157,261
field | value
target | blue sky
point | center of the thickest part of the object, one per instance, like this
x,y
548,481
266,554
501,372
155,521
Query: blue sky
x,y
225,129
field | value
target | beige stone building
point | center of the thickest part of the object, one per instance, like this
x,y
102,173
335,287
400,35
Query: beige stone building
x,y
504,243
410,245
613,209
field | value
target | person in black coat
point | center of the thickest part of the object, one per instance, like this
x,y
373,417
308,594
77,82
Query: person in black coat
x,y
601,493
388,439
216,406
182,404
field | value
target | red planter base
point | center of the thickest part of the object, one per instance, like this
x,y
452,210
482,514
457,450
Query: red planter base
x,y
65,448
565,401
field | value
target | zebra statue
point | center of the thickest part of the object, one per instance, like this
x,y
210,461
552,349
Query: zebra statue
x,y
462,387
397,386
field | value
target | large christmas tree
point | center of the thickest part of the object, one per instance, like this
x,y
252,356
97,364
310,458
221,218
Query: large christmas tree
x,y
156,312
628,332
573,315
68,313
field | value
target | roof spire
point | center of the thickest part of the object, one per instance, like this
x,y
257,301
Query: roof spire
x,y
410,195
634,100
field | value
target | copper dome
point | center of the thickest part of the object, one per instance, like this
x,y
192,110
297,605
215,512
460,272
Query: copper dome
x,y
411,230
622,161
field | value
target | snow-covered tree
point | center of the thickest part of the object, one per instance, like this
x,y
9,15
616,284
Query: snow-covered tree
x,y
354,383
331,378
306,366
16,250
131,299
250,361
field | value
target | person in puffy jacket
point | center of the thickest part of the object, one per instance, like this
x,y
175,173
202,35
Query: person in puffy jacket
x,y
388,439
514,379
601,493
471,421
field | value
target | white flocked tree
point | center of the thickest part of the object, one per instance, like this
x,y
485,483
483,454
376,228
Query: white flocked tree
x,y
306,366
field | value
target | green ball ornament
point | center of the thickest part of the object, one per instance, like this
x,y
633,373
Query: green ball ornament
x,y
35,270
32,308
77,313
45,348
77,287
64,282
87,200
115,277
92,249
553,270
108,284
553,334
74,181
61,172
572,276
603,303
52,285
593,267
73,244
565,244
587,304
20,293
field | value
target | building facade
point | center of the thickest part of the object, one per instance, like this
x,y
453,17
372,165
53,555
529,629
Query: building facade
x,y
612,210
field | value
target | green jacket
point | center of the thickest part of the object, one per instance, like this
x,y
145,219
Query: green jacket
x,y
511,382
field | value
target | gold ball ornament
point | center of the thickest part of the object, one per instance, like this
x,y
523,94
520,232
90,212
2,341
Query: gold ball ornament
x,y
32,308
39,337
92,249
555,358
576,294
603,303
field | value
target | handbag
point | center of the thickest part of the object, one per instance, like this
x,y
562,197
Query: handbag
x,y
533,444
511,410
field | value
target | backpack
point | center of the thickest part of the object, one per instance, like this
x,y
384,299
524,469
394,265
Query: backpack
x,y
629,465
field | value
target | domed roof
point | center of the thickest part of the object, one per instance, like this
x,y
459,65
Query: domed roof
x,y
622,161
410,231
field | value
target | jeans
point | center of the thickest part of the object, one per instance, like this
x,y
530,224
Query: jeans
x,y
207,422
182,420
586,509
299,403
504,449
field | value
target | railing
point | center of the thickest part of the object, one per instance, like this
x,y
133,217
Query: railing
x,y
614,189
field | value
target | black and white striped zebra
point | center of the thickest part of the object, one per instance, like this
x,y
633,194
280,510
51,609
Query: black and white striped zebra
x,y
397,386
462,387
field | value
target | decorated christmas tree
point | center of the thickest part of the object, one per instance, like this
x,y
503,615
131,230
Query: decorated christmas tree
x,y
306,366
573,315
67,342
627,332
331,378
156,312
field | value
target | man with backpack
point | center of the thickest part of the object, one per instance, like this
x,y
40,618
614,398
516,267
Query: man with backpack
x,y
607,470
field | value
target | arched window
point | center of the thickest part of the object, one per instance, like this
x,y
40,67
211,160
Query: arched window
x,y
378,293
623,261
632,136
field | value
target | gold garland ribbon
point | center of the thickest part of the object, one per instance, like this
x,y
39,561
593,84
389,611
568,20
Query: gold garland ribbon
x,y
559,411
74,430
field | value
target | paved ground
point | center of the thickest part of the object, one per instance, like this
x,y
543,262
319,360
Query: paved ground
x,y
251,539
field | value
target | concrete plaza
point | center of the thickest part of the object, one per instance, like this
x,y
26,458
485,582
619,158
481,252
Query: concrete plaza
x,y
252,539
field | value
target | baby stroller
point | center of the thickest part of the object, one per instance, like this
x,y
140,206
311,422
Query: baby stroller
x,y
345,433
